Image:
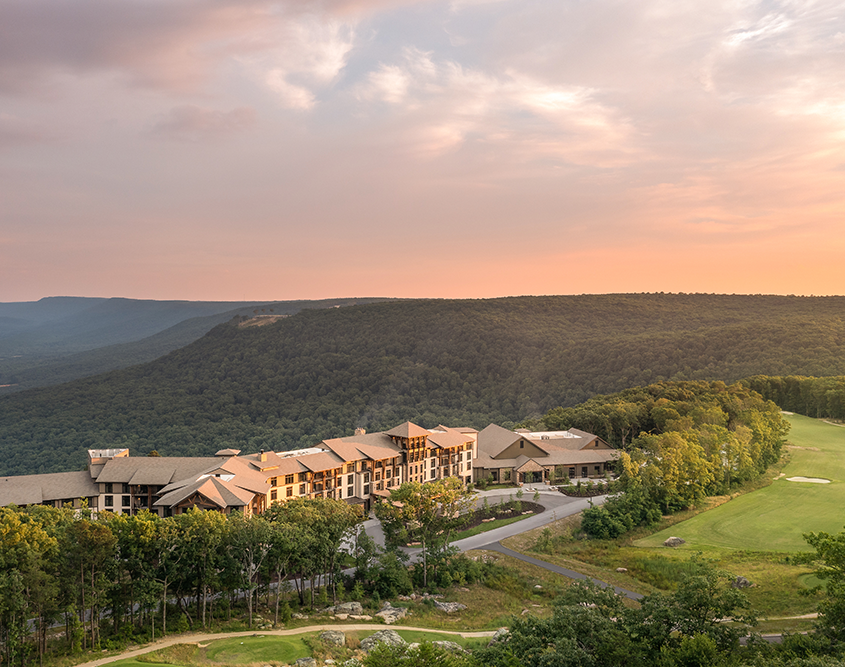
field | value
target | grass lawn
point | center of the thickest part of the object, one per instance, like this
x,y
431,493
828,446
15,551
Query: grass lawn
x,y
240,650
484,527
775,518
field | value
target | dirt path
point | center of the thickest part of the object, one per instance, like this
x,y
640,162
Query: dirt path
x,y
201,638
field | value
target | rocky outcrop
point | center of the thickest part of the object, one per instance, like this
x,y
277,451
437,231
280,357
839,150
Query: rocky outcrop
x,y
333,637
389,637
449,607
674,542
345,608
391,614
306,662
741,582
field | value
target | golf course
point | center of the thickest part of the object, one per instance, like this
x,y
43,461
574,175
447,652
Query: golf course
x,y
776,517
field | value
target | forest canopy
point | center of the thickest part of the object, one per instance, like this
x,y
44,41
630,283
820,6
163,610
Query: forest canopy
x,y
321,373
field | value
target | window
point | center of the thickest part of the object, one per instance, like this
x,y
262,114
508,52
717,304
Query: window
x,y
109,488
521,444
109,500
289,492
272,495
469,456
366,478
274,481
366,489
350,491
469,466
125,501
349,479
288,479
303,477
571,473
302,489
433,462
583,471
350,467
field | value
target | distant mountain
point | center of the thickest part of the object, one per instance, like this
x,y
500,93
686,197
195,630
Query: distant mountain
x,y
320,373
58,339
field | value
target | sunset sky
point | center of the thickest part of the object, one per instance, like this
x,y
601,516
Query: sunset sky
x,y
243,149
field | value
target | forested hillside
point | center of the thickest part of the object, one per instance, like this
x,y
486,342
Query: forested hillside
x,y
57,340
462,362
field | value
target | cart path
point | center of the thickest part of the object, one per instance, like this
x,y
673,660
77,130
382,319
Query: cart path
x,y
201,638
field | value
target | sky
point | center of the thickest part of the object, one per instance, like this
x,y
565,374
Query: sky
x,y
255,150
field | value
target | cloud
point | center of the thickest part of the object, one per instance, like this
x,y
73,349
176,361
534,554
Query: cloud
x,y
193,124
302,56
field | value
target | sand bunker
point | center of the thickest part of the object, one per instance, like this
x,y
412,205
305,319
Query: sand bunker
x,y
812,480
784,412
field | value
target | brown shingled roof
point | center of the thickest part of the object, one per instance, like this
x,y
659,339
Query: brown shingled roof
x,y
407,430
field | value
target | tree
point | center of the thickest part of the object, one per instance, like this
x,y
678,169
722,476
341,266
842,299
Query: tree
x,y
427,513
829,559
248,542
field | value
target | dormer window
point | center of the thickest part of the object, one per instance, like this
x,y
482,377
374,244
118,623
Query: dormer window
x,y
521,444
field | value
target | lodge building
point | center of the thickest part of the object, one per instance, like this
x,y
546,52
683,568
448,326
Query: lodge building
x,y
358,469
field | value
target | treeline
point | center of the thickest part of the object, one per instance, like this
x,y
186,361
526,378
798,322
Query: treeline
x,y
321,373
681,442
819,397
62,566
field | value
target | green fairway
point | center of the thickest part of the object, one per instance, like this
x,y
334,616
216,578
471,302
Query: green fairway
x,y
775,518
240,650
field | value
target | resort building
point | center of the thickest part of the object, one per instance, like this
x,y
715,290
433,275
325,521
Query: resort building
x,y
356,469
525,457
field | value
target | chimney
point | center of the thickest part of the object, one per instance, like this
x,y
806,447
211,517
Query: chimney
x,y
360,430
262,455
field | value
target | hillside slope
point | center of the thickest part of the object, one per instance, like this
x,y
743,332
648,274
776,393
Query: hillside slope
x,y
48,343
320,373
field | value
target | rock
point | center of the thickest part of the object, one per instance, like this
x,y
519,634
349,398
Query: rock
x,y
386,604
404,598
501,635
333,638
306,662
360,617
449,646
538,587
341,617
741,582
346,608
621,569
300,617
328,661
392,614
449,607
463,590
674,542
389,637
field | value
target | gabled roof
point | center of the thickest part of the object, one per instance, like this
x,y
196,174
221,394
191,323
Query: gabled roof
x,y
447,439
221,493
321,462
363,447
493,440
35,489
154,470
407,430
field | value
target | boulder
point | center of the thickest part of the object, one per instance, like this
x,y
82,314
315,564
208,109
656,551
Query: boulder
x,y
449,646
449,607
306,662
741,582
333,638
501,635
389,637
674,542
621,569
346,608
392,614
